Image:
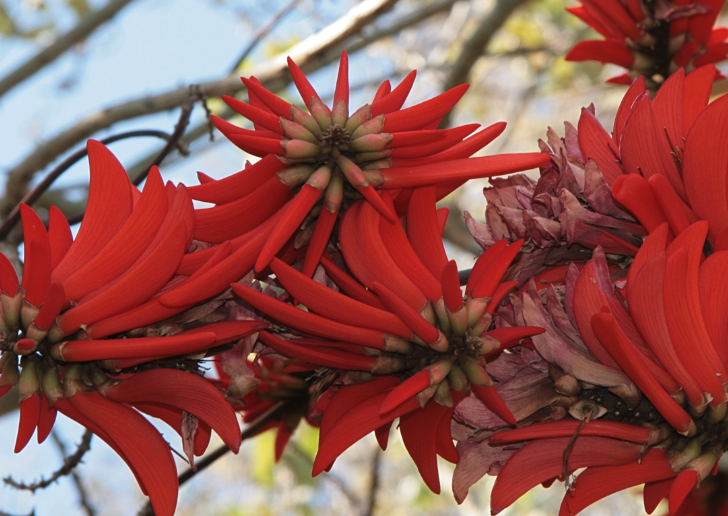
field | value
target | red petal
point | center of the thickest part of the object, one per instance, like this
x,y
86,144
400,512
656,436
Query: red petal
x,y
686,480
634,91
491,399
419,434
635,194
418,116
595,143
395,100
482,262
419,325
405,391
51,307
319,240
29,411
542,460
185,391
33,228
460,169
655,492
423,230
333,305
326,357
638,149
567,428
494,271
88,350
238,217
670,203
603,51
276,104
451,286
342,80
371,195
109,205
254,114
37,273
349,285
304,87
257,146
46,420
384,89
60,237
696,94
8,276
713,288
309,322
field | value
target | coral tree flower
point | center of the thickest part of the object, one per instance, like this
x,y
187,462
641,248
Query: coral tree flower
x,y
317,162
419,345
64,321
652,39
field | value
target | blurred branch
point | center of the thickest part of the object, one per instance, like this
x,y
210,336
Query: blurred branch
x,y
476,45
271,73
82,495
262,32
371,500
86,26
14,216
69,462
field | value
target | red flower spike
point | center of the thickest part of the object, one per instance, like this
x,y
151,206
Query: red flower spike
x,y
333,305
706,149
232,268
482,262
37,273
8,277
542,460
670,203
348,284
319,240
29,411
682,331
353,425
152,311
602,51
424,113
686,480
326,357
307,321
418,324
494,271
304,87
294,213
622,350
445,447
109,205
257,146
237,186
394,100
596,143
448,139
46,420
368,257
423,229
229,331
33,228
185,391
491,399
89,350
655,492
635,90
405,391
141,447
460,169
371,195
384,89
254,114
60,236
567,428
648,312
127,245
601,481
451,286
229,220
400,249
500,291
634,193
136,286
276,104
422,446
51,307
342,80
713,290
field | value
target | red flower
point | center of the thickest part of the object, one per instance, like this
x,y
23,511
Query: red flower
x,y
316,163
419,346
652,39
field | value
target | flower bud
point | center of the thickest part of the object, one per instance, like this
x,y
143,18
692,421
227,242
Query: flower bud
x,y
373,126
365,157
29,382
300,116
296,131
51,384
340,113
10,372
476,373
11,309
360,116
443,396
28,312
457,379
321,113
300,149
371,143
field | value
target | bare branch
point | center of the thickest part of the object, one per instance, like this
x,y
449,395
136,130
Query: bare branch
x,y
262,32
371,500
69,463
476,45
82,494
86,26
271,73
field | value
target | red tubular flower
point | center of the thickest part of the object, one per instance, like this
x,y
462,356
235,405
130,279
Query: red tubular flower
x,y
652,39
418,355
316,163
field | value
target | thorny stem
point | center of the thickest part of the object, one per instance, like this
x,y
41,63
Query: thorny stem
x,y
32,196
251,430
69,463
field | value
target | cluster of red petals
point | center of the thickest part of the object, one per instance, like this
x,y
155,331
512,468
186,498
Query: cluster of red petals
x,y
653,39
316,162
77,296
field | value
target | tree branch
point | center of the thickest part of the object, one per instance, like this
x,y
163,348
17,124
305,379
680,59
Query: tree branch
x,y
86,26
271,73
476,45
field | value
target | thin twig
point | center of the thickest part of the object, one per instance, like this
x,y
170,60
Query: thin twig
x,y
371,500
85,27
476,46
272,74
209,459
82,494
69,463
32,196
262,32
